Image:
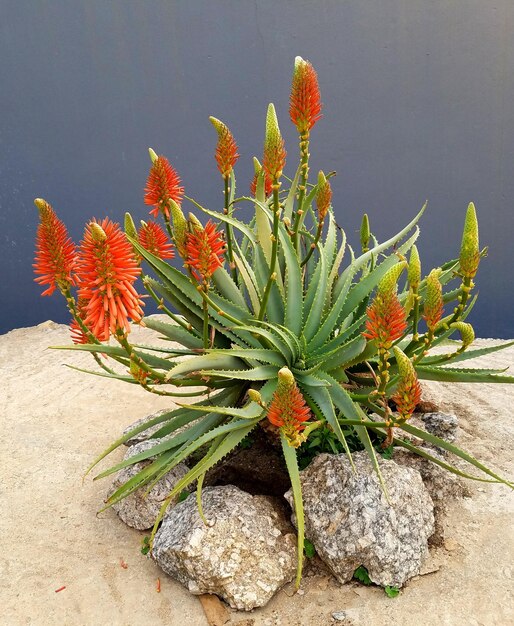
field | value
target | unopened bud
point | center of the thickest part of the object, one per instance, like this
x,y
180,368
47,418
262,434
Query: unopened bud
x,y
130,228
153,155
414,271
365,233
97,232
470,250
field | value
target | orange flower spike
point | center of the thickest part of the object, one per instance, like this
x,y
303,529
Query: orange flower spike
x,y
288,409
274,152
386,317
408,391
107,271
205,248
162,184
154,240
56,256
305,100
226,150
433,307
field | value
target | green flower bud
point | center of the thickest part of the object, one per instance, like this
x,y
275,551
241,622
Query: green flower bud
x,y
470,251
130,228
466,331
153,155
365,233
414,272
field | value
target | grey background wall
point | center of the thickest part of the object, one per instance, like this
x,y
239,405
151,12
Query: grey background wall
x,y
419,103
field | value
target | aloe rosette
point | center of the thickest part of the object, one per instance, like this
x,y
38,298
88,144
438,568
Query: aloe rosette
x,y
279,323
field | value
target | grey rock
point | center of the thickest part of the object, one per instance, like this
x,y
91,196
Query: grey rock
x,y
137,510
144,434
245,553
351,523
442,425
442,485
339,616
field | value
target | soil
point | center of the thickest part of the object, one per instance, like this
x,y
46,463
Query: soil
x,y
62,563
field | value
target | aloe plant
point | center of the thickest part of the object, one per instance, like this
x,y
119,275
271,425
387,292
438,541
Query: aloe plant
x,y
292,331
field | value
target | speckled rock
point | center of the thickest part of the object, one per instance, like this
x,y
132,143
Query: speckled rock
x,y
350,522
137,510
144,434
442,425
442,485
244,555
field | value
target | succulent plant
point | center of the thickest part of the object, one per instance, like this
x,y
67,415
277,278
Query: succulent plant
x,y
296,333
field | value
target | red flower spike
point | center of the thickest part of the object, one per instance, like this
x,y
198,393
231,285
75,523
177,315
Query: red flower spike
x,y
226,150
408,391
107,270
288,409
56,255
162,184
387,320
305,100
205,248
154,240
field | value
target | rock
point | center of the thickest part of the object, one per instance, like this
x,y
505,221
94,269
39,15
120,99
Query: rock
x,y
350,522
259,469
245,553
339,616
442,425
430,397
137,510
144,434
442,485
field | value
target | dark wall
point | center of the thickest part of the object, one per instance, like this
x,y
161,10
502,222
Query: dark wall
x,y
419,103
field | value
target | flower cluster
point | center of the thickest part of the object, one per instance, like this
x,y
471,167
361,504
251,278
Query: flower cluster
x,y
163,184
288,409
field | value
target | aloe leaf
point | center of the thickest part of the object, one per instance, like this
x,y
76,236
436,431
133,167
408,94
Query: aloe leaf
x,y
285,347
352,410
294,475
173,459
263,372
345,355
204,465
441,443
250,411
321,397
364,258
249,281
241,226
174,332
228,288
271,357
289,203
450,468
285,334
461,375
365,286
175,414
125,379
138,480
275,305
262,223
205,361
464,356
319,287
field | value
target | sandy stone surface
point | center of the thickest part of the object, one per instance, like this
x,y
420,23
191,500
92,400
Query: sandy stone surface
x,y
55,420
